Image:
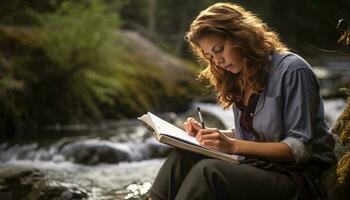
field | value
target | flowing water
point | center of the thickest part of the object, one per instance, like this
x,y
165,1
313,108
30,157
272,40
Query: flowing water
x,y
116,160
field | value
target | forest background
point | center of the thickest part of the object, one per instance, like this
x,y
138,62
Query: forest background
x,y
67,62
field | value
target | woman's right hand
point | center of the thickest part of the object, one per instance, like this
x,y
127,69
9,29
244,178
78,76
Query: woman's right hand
x,y
192,126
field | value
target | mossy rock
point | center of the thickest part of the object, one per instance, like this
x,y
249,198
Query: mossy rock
x,y
335,182
31,184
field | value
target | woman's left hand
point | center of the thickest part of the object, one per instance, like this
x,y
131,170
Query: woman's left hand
x,y
213,138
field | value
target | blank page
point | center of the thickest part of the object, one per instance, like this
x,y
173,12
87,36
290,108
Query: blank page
x,y
166,128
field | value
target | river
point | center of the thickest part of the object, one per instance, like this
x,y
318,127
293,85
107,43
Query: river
x,y
115,160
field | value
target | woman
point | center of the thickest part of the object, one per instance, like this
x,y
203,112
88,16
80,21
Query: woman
x,y
280,131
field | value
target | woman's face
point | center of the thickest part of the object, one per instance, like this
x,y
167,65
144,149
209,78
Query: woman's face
x,y
222,52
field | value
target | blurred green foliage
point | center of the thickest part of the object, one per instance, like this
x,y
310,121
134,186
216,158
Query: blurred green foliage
x,y
67,63
79,39
59,66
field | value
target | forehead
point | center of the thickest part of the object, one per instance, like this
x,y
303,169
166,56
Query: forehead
x,y
206,43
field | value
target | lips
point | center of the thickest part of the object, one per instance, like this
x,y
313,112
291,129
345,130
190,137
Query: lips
x,y
228,66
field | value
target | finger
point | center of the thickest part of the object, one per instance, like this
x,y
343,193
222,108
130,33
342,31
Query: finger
x,y
188,129
196,125
189,119
201,133
219,134
185,124
189,126
189,123
214,144
193,121
211,133
209,130
210,142
211,136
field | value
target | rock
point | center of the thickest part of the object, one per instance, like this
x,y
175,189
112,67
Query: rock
x,y
57,190
17,183
31,184
151,54
157,149
91,152
335,182
343,177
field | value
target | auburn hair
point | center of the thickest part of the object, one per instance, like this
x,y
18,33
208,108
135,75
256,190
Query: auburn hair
x,y
257,43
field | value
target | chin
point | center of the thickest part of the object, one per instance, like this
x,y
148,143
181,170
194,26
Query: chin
x,y
233,70
236,69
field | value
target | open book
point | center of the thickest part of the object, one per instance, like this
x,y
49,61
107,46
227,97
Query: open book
x,y
169,134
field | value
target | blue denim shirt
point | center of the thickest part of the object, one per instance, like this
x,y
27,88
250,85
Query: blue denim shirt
x,y
290,110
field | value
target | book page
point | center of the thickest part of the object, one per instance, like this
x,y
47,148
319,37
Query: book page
x,y
167,133
165,128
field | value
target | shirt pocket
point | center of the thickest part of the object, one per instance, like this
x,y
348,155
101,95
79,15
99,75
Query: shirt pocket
x,y
268,122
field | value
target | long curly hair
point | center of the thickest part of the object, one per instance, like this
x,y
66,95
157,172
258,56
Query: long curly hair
x,y
257,43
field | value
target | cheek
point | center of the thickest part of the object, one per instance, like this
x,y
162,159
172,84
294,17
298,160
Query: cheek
x,y
238,57
234,56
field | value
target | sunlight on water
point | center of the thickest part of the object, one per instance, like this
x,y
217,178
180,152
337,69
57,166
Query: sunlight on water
x,y
127,180
137,190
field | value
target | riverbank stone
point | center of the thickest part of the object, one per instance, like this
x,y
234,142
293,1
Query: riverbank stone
x,y
92,152
31,184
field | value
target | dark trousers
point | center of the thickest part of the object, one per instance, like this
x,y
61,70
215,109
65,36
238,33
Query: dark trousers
x,y
189,176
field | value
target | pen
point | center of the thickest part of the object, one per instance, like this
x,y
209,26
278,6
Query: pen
x,y
200,117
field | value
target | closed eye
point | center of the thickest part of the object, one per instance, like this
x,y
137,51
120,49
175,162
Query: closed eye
x,y
218,49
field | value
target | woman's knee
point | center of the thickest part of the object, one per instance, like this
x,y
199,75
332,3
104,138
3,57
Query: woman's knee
x,y
176,156
218,169
201,174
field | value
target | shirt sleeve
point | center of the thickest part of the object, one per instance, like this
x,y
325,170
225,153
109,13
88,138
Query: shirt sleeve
x,y
300,107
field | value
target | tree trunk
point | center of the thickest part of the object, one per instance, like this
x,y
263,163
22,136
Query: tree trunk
x,y
152,20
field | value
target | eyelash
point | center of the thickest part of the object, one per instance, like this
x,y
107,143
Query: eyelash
x,y
219,50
